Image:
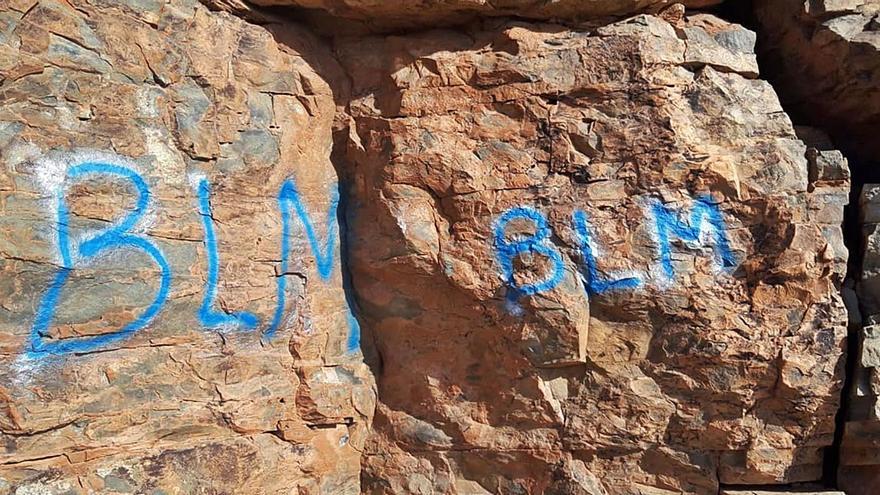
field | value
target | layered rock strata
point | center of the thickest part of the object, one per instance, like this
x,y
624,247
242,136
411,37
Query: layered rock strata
x,y
825,57
859,471
379,15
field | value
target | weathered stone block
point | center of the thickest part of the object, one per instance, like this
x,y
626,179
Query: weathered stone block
x,y
628,182
170,274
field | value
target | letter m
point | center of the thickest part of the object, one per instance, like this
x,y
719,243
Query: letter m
x,y
704,224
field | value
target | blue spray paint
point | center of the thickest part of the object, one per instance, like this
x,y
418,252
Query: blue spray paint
x,y
506,251
208,316
596,282
669,223
289,197
354,333
117,236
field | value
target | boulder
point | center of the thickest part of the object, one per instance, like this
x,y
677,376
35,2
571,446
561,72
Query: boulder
x,y
859,469
588,255
174,312
590,261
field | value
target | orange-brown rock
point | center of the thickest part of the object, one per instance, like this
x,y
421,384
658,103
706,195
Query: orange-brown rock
x,y
859,469
143,146
799,489
824,55
591,261
589,257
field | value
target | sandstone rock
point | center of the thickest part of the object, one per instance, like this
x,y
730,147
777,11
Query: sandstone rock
x,y
869,205
591,258
593,261
174,316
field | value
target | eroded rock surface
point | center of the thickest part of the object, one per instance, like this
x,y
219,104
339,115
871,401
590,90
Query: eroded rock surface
x,y
594,261
824,57
798,490
158,331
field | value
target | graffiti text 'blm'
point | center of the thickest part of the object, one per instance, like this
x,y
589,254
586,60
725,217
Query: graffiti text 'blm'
x,y
705,219
121,236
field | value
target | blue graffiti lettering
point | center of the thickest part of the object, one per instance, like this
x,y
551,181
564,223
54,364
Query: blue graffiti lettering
x,y
289,197
208,316
596,282
669,223
354,333
117,236
506,251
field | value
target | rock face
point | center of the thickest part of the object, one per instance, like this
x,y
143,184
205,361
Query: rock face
x,y
826,54
588,258
174,318
764,492
619,278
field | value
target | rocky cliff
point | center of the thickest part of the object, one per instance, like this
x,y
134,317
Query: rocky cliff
x,y
436,247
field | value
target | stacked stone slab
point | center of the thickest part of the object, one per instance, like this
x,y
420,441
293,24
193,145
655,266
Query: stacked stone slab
x,y
824,56
360,16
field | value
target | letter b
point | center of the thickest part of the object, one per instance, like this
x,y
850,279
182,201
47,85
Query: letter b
x,y
117,236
